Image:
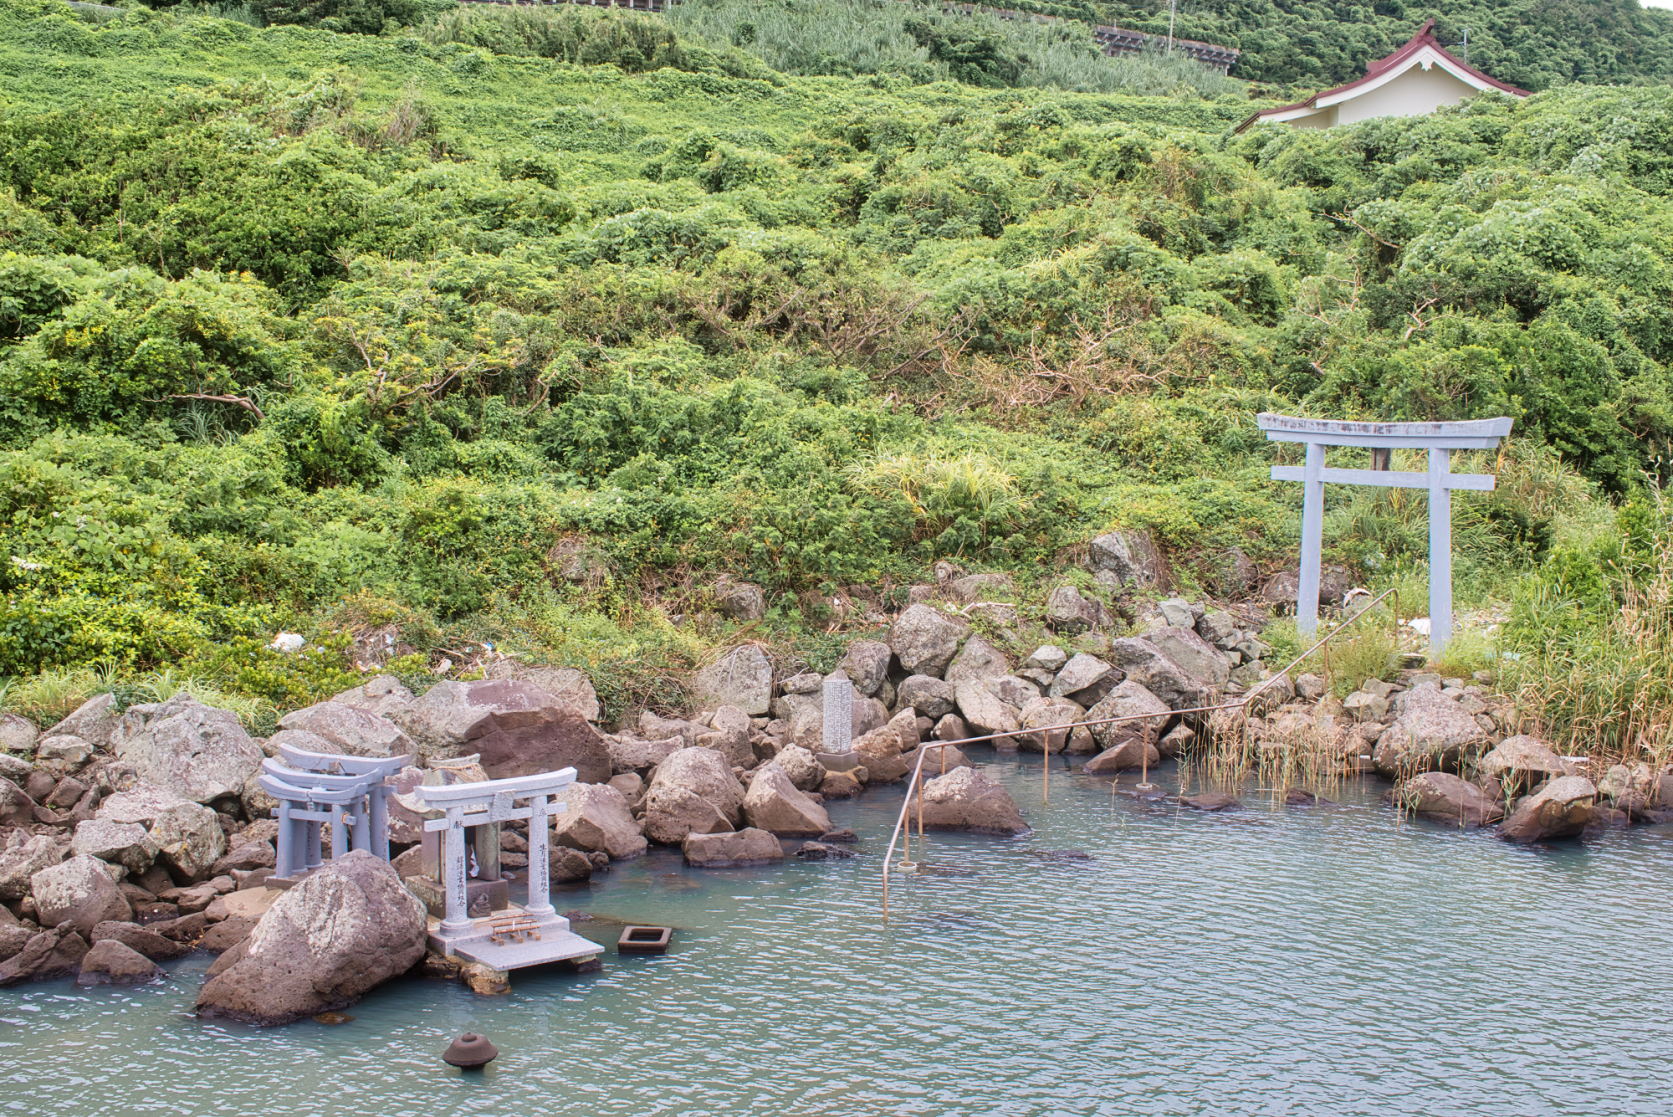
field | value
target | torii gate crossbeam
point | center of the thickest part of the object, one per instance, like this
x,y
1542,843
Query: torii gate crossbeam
x,y
1440,439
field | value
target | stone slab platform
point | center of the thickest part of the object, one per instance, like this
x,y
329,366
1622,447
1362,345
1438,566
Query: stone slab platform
x,y
557,943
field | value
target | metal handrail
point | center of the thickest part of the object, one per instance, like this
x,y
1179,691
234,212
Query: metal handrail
x,y
916,780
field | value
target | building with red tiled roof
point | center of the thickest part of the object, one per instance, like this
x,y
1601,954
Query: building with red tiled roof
x,y
1416,79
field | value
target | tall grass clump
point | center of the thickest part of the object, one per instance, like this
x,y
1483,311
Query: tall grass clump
x,y
1590,641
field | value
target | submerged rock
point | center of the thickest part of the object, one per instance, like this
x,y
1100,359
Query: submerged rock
x,y
749,846
111,963
965,799
773,804
143,940
1444,797
82,892
321,946
53,953
1210,801
1561,810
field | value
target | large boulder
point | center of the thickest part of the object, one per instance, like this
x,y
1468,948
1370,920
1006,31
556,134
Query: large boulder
x,y
321,946
121,843
93,721
773,804
977,661
1134,752
53,953
1148,715
1081,673
141,804
81,891
1127,558
189,840
597,819
672,814
925,639
931,697
706,773
965,799
196,751
382,696
1430,732
633,754
111,963
1052,720
743,677
563,683
866,664
804,770
1444,797
1522,762
730,851
352,731
1200,659
879,753
517,728
740,601
1560,810
1148,666
984,713
22,855
729,736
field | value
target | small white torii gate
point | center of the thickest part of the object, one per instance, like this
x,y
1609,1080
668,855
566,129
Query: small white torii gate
x,y
1440,439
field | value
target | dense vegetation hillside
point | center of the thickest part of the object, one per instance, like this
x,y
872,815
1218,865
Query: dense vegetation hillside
x,y
1534,44
331,331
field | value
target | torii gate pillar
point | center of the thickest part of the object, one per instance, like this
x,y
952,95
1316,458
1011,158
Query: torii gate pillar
x,y
1440,439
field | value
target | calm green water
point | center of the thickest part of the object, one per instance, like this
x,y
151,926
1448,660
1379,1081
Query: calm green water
x,y
1270,961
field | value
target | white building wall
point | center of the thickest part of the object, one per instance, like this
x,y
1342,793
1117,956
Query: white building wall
x,y
1413,93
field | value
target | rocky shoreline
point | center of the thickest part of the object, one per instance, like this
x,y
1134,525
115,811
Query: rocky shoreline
x,y
130,837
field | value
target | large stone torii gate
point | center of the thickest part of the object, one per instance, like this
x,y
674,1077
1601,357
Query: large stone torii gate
x,y
1440,439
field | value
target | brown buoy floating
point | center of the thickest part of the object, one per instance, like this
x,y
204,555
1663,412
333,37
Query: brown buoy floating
x,y
470,1052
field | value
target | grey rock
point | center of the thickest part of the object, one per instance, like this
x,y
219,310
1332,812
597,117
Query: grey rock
x,y
141,804
123,843
63,751
1311,688
566,684
51,953
381,696
740,601
15,768
1052,720
879,753
1078,674
730,851
81,891
1560,810
674,813
517,728
142,940
1363,707
1219,629
975,587
1175,741
352,731
1521,762
1134,752
1049,658
730,737
1430,733
323,944
809,682
17,734
630,754
983,711
1131,556
1149,714
111,963
1013,690
805,772
704,773
653,727
867,665
743,677
951,728
978,660
925,640
596,817
93,721
1236,573
189,840
1067,610
930,696
965,799
822,851
1177,612
1149,667
1444,797
195,751
22,855
16,808
1200,660
774,804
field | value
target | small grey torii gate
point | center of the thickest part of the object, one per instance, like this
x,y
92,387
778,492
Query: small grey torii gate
x,y
1440,439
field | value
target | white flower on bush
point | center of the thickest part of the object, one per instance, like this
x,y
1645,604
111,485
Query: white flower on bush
x,y
22,565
